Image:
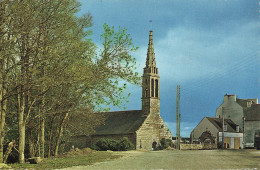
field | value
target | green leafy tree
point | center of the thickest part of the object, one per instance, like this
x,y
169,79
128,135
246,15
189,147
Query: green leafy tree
x,y
56,79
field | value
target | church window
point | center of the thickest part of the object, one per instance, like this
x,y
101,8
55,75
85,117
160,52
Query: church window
x,y
156,88
152,87
146,89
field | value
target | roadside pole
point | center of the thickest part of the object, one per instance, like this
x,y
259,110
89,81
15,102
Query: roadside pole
x,y
244,143
223,128
178,118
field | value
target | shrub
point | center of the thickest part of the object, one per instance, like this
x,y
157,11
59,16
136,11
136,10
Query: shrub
x,y
106,144
114,145
95,147
164,143
125,144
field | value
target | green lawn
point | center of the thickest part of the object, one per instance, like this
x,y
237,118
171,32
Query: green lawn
x,y
63,162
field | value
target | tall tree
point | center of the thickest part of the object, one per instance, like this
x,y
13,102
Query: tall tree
x,y
55,73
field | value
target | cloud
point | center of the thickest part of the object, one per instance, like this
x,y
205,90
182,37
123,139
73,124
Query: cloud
x,y
187,53
208,47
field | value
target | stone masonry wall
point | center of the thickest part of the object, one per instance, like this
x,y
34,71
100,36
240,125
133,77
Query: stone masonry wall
x,y
250,129
197,146
152,130
231,110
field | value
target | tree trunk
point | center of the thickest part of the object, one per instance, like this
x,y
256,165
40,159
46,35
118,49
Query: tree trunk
x,y
2,123
1,149
31,143
2,116
42,125
21,110
2,110
21,126
8,150
60,134
50,138
41,153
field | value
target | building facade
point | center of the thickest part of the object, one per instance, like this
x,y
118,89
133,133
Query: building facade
x,y
244,112
210,130
145,128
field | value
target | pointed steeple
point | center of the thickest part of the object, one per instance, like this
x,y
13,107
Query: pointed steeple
x,y
150,60
150,85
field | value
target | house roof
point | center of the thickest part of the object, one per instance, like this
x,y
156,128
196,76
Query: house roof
x,y
217,122
242,102
121,122
251,113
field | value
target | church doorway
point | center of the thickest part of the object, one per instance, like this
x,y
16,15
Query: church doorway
x,y
154,145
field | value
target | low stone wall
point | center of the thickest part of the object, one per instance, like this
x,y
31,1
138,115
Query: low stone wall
x,y
191,146
197,146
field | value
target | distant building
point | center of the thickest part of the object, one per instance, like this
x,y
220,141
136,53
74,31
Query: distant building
x,y
244,112
145,128
210,130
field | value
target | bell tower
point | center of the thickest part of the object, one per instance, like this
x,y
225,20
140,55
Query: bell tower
x,y
150,82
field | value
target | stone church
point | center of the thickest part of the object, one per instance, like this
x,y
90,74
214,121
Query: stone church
x,y
145,128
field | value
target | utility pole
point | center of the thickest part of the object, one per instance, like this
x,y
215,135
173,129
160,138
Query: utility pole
x,y
178,122
223,127
244,143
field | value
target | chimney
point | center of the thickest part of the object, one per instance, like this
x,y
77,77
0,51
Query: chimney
x,y
230,98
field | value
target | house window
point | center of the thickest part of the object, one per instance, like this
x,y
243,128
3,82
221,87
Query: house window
x,y
225,128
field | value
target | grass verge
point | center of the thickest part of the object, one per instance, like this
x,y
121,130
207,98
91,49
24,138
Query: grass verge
x,y
63,162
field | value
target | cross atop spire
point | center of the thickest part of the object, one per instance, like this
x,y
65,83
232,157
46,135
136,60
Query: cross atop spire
x,y
151,24
150,60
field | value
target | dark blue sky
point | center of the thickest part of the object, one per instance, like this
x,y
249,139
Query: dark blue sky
x,y
208,47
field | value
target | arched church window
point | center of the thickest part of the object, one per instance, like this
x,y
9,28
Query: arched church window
x,y
146,87
152,87
156,88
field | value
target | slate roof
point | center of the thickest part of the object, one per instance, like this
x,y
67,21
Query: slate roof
x,y
251,113
242,102
217,122
121,122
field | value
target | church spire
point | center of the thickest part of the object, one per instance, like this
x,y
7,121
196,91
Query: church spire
x,y
150,60
150,84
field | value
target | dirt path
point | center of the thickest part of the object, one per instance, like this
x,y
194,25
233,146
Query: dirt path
x,y
199,159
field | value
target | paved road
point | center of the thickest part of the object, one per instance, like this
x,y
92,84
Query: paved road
x,y
196,159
